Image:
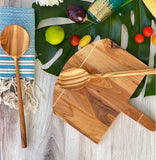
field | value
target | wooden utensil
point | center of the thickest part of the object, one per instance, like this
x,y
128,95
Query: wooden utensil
x,y
77,78
93,109
15,42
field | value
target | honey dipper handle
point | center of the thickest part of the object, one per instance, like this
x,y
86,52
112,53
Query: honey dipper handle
x,y
149,71
21,110
140,117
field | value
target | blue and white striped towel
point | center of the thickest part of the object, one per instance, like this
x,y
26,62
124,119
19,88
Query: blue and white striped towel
x,y
24,17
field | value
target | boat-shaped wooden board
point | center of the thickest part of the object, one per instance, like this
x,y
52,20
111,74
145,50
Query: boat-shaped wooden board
x,y
93,109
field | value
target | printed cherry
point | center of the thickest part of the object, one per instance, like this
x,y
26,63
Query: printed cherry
x,y
147,31
75,39
139,38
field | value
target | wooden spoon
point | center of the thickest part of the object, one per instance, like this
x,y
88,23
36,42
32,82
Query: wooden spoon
x,y
77,78
15,42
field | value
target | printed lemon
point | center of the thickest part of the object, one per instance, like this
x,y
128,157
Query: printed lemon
x,y
54,35
85,40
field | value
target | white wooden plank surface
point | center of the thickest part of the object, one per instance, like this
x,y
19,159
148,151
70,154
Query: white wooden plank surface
x,y
49,138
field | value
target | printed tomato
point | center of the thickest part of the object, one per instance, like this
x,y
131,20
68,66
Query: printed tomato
x,y
154,39
75,39
139,38
147,31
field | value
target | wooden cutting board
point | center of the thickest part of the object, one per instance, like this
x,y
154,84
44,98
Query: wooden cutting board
x,y
93,109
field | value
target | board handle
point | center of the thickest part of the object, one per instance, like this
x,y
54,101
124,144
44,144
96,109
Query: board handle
x,y
140,117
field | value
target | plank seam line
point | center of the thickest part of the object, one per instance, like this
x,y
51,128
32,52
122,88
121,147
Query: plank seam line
x,y
140,117
80,67
89,54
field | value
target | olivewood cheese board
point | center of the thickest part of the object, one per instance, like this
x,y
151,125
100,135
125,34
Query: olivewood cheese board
x,y
93,109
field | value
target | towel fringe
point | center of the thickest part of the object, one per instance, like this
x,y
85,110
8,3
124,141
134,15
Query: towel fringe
x,y
8,94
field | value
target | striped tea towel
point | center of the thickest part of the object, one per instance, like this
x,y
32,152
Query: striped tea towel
x,y
25,18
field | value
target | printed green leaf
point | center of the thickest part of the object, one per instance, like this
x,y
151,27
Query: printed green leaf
x,y
151,83
110,28
55,11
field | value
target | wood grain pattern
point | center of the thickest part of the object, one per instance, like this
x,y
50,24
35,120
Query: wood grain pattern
x,y
77,78
106,96
49,138
21,109
15,42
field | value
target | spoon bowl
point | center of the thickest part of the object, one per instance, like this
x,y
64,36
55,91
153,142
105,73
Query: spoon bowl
x,y
73,78
15,42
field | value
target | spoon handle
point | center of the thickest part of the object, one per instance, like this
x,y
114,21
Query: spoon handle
x,y
21,110
129,73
